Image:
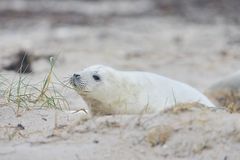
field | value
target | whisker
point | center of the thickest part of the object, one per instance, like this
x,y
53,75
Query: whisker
x,y
67,77
66,84
66,81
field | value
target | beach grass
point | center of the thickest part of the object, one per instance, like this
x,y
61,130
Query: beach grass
x,y
21,93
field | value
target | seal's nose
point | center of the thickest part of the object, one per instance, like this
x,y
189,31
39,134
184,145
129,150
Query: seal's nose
x,y
76,76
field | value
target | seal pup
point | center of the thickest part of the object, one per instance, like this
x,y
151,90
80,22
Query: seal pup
x,y
110,91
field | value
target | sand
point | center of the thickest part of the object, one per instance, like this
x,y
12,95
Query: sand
x,y
197,51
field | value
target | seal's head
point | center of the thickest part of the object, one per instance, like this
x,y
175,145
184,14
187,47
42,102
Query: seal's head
x,y
93,80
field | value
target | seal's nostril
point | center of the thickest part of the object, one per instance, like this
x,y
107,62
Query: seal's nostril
x,y
76,75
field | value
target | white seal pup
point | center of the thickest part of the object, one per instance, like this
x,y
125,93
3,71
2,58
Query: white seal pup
x,y
110,91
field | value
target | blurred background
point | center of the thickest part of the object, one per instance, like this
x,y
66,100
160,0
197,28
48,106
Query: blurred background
x,y
195,41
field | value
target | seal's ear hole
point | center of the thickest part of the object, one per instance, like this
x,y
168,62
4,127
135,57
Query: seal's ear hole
x,y
96,77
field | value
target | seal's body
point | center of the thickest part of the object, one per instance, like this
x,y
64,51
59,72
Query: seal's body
x,y
109,91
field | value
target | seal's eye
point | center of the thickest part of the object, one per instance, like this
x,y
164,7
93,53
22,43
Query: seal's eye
x,y
96,77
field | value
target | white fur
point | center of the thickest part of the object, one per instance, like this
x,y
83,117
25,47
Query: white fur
x,y
129,92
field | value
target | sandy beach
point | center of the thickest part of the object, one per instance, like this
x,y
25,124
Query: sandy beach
x,y
195,45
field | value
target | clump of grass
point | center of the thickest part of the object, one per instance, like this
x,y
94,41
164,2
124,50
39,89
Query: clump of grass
x,y
159,135
227,98
24,95
233,108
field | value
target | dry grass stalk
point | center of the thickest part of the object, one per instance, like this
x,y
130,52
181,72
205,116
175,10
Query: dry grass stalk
x,y
159,135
